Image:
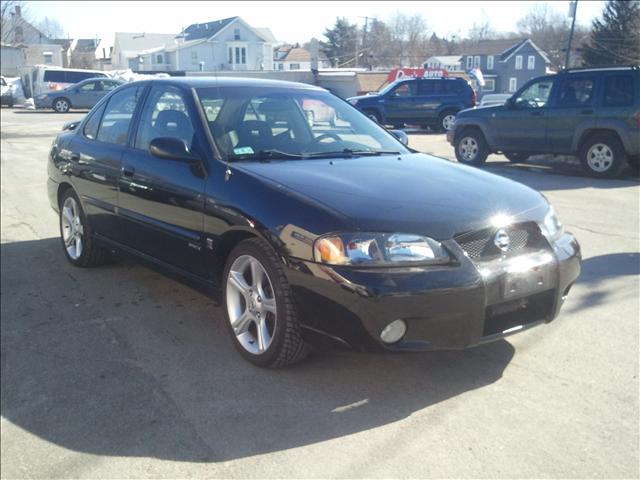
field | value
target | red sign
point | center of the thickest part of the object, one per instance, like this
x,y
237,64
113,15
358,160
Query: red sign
x,y
398,73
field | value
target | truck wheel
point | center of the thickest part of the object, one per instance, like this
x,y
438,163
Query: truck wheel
x,y
603,156
373,115
471,148
446,120
260,308
515,157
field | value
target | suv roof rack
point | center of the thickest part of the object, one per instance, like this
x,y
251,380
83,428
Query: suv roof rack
x,y
600,67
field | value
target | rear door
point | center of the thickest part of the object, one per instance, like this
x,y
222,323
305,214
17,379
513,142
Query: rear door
x,y
427,100
620,106
95,153
161,201
572,109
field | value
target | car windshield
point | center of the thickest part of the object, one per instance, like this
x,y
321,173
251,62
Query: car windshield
x,y
290,123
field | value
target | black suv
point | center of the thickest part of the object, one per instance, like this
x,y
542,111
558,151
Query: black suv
x,y
418,101
592,113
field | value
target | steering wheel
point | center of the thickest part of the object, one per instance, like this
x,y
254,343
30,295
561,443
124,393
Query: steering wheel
x,y
318,139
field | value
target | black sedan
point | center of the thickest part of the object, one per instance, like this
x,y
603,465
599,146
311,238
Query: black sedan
x,y
306,231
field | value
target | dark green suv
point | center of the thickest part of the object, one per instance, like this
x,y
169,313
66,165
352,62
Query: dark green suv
x,y
592,113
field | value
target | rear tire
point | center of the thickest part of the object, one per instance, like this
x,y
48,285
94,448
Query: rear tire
x,y
515,157
446,119
373,115
265,329
603,156
61,105
76,235
471,147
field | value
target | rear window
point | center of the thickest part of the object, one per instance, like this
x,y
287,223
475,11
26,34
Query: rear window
x,y
618,91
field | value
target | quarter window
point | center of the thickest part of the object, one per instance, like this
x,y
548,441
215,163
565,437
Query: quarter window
x,y
164,115
518,62
90,129
576,92
114,127
618,91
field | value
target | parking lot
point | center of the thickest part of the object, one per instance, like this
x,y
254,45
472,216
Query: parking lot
x,y
122,372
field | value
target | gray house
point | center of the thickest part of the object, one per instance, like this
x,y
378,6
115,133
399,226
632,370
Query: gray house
x,y
506,64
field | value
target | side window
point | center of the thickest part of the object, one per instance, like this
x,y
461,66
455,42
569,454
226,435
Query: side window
x,y
88,87
426,87
406,89
535,95
90,129
117,117
576,92
108,86
164,115
618,91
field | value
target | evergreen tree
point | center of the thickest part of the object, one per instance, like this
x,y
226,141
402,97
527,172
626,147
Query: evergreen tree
x,y
340,47
615,38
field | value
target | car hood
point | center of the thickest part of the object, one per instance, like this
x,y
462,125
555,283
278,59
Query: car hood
x,y
480,110
413,193
364,97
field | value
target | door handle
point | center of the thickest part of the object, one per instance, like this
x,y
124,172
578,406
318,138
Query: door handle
x,y
587,112
128,172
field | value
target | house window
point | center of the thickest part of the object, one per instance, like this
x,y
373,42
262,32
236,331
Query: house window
x,y
476,61
469,63
489,85
281,66
531,62
513,84
48,57
236,34
241,55
230,55
194,57
243,51
518,62
294,66
19,35
490,62
166,58
159,58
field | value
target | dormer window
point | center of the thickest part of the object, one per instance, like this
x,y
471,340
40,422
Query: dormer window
x,y
236,34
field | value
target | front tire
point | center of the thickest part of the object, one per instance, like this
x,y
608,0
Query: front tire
x,y
259,307
61,105
76,235
471,148
603,156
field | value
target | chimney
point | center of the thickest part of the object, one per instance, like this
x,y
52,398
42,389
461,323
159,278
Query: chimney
x,y
18,11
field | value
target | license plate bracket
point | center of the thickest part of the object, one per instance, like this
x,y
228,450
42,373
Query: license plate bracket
x,y
517,284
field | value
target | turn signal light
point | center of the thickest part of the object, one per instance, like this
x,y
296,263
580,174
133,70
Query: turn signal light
x,y
330,250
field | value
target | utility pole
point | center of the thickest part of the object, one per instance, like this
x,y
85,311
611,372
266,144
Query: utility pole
x,y
573,8
364,41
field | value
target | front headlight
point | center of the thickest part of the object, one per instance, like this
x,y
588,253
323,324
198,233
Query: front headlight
x,y
378,249
551,226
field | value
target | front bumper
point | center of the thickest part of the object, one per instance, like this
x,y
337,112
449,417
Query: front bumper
x,y
444,307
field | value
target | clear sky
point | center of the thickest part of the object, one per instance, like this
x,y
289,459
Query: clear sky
x,y
291,21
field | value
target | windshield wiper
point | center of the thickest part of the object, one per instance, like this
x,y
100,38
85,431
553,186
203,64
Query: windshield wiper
x,y
265,155
347,152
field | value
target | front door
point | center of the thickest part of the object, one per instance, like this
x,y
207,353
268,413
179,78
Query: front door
x,y
399,104
85,95
572,107
161,201
521,124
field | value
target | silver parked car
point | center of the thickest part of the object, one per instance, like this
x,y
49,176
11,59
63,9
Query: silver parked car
x,y
84,94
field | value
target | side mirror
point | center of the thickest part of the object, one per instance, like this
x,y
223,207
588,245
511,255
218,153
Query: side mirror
x,y
171,148
509,103
400,135
70,126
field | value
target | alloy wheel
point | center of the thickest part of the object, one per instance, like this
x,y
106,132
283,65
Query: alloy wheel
x,y
448,121
72,228
600,157
251,304
62,106
468,148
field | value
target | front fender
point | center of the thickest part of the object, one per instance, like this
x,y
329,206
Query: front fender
x,y
481,123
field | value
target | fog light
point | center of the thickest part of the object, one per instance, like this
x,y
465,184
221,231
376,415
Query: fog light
x,y
394,331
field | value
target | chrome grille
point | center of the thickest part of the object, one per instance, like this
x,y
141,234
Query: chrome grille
x,y
479,245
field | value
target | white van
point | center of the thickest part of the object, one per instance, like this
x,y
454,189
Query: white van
x,y
44,79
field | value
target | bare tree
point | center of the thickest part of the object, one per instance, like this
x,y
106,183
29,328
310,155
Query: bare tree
x,y
482,29
50,27
8,18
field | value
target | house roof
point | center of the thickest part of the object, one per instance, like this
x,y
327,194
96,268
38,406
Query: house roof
x,y
446,59
196,31
297,55
137,41
65,43
493,47
266,34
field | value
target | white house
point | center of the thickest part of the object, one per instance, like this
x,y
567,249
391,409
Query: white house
x,y
287,57
450,63
128,46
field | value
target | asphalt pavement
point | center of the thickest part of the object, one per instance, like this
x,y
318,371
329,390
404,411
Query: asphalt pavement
x,y
121,372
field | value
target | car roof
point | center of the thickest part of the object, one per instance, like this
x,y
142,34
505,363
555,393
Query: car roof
x,y
210,82
600,69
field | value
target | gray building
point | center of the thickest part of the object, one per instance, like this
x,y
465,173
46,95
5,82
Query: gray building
x,y
12,58
506,64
